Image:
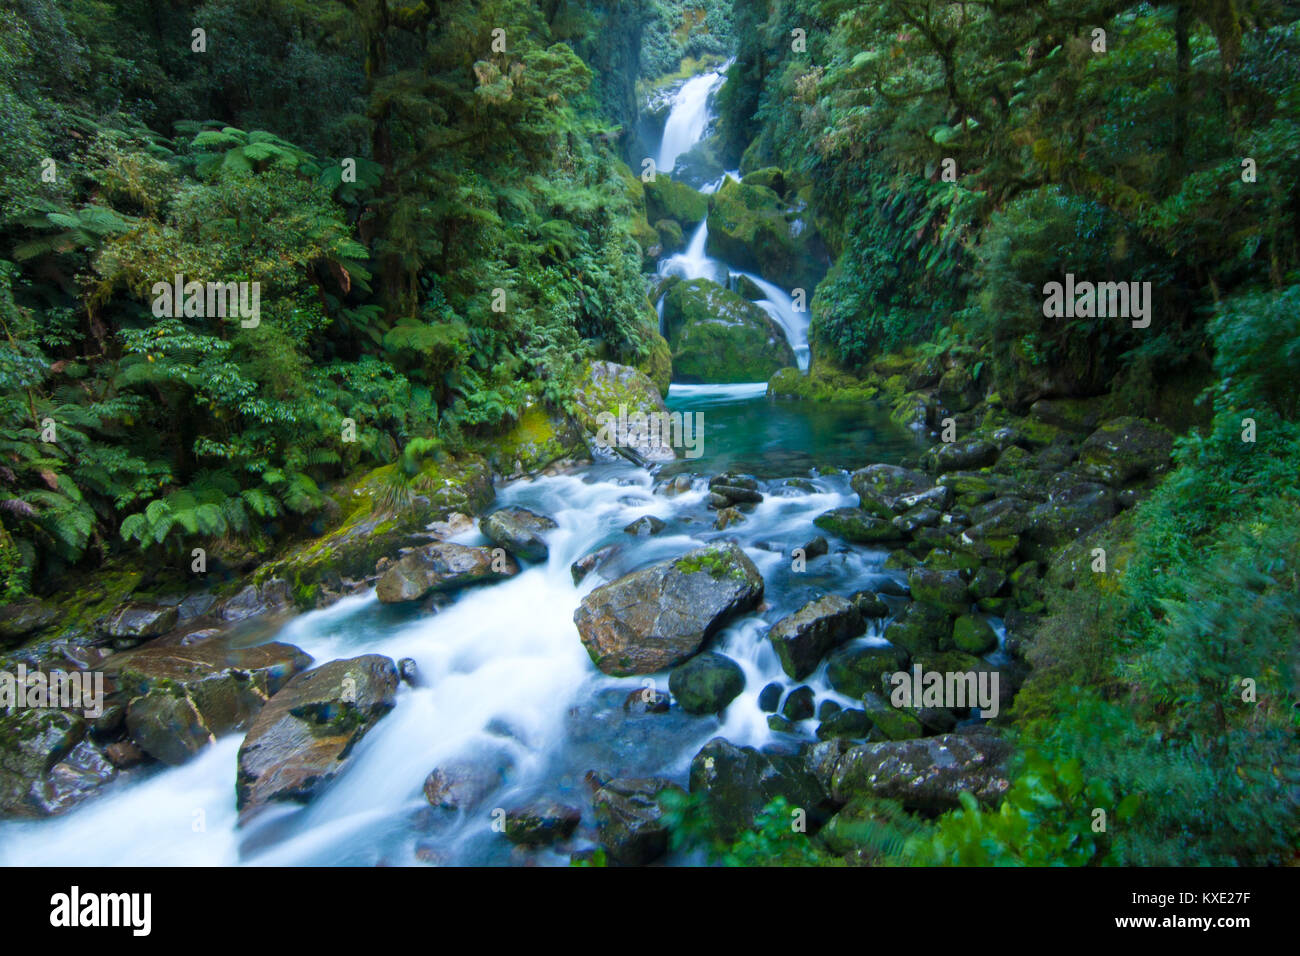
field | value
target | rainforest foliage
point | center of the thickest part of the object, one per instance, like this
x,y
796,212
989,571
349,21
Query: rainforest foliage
x,y
1135,142
433,213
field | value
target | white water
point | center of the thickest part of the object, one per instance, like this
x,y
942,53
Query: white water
x,y
507,655
688,119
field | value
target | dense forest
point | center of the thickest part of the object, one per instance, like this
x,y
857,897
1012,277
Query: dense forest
x,y
446,211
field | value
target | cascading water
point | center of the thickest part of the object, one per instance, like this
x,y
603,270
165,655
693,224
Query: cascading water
x,y
688,118
503,676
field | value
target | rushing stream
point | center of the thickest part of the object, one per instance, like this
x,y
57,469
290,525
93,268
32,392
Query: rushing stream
x,y
503,676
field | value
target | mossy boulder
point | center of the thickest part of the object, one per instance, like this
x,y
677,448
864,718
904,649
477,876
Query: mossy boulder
x,y
385,512
1125,449
945,590
539,438
854,524
519,531
855,670
706,683
751,228
670,235
887,490
660,616
770,177
803,638
717,335
606,401
666,198
974,635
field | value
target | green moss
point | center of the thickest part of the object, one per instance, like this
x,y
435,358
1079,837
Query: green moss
x,y
716,561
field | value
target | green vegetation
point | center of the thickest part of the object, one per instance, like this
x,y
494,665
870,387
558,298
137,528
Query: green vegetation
x,y
440,240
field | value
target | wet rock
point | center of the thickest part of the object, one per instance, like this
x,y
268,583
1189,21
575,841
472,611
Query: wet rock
x,y
444,566
986,582
226,685
134,623
828,709
870,605
167,726
23,619
858,669
409,671
706,683
630,820
254,601
914,520
927,773
647,700
519,531
608,403
848,724
463,784
32,741
592,562
658,617
305,735
815,548
965,455
974,635
798,704
880,488
802,639
945,590
1126,448
645,526
123,754
541,823
854,524
728,517
738,782
72,780
769,698
919,628
780,724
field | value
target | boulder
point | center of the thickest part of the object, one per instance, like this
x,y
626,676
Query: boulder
x,y
802,639
645,526
519,531
920,628
666,198
927,773
857,669
753,229
22,619
463,784
443,566
135,623
964,455
738,782
854,524
706,683
658,617
974,635
717,335
306,734
32,742
630,820
881,488
946,590
541,822
607,402
1125,449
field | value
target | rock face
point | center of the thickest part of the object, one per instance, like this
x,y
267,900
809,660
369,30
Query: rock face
x,y
751,227
629,819
658,617
925,774
305,735
444,566
706,683
519,531
717,335
806,636
607,401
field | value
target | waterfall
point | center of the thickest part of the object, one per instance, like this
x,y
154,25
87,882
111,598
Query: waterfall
x,y
688,119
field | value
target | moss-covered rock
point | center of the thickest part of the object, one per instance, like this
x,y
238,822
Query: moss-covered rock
x,y
539,438
667,198
609,389
770,177
706,683
385,512
751,228
717,335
